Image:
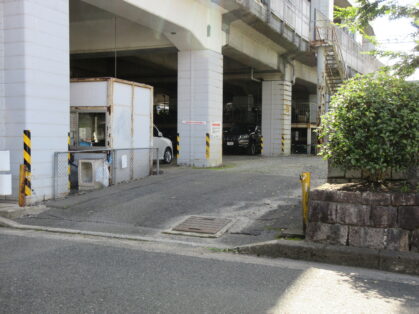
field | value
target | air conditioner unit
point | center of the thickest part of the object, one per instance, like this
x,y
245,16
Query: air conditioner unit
x,y
89,171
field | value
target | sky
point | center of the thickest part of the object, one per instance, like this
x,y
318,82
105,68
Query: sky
x,y
393,35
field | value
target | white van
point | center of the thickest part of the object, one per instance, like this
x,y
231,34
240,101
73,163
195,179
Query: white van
x,y
164,145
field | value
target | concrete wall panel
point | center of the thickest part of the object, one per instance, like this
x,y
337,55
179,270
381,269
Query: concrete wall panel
x,y
89,94
34,80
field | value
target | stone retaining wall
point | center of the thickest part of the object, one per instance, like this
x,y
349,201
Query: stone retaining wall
x,y
364,219
337,175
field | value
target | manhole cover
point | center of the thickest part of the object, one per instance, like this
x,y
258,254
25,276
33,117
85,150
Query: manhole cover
x,y
207,225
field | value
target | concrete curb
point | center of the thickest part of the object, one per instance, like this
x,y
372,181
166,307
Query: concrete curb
x,y
13,211
393,261
4,222
400,262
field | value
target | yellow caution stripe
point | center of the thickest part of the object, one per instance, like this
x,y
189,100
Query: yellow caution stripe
x,y
27,160
207,147
177,145
283,143
261,144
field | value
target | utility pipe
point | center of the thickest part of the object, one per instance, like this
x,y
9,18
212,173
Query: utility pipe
x,y
252,77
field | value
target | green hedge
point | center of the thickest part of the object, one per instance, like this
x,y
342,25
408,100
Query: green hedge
x,y
372,125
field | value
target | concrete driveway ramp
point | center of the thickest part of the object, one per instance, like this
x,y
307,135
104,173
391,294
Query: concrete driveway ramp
x,y
202,226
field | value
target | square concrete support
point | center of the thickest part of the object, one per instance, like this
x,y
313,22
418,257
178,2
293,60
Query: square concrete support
x,y
34,86
276,117
200,107
309,142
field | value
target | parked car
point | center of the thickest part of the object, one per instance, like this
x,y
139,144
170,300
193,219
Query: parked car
x,y
243,137
164,145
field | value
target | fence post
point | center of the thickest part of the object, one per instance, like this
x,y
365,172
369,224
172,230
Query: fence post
x,y
69,162
157,162
55,174
114,157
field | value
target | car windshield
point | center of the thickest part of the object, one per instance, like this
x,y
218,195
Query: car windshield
x,y
239,129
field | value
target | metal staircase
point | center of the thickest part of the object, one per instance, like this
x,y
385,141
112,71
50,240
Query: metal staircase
x,y
335,67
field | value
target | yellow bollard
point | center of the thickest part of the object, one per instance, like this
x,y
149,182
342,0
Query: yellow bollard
x,y
305,188
22,179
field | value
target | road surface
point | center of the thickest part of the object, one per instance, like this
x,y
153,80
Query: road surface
x,y
53,273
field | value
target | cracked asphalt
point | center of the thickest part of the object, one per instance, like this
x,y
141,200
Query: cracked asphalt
x,y
261,195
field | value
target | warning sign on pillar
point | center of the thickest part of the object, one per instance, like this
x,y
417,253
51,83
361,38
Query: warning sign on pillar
x,y
194,122
216,129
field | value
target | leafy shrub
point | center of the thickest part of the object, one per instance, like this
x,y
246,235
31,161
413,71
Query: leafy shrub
x,y
372,125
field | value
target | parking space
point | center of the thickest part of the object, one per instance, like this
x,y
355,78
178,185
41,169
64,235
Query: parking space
x,y
261,196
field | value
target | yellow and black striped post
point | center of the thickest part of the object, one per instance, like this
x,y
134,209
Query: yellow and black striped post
x,y
282,144
261,144
207,145
69,161
27,160
177,145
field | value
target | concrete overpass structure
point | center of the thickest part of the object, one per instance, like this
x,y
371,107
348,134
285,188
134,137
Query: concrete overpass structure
x,y
198,51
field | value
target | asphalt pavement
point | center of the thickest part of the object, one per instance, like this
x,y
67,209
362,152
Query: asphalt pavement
x,y
261,195
53,273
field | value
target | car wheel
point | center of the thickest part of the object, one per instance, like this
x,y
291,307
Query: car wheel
x,y
168,156
252,149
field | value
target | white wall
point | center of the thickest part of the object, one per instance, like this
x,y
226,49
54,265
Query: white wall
x,y
296,13
200,99
185,23
253,44
324,6
104,35
34,76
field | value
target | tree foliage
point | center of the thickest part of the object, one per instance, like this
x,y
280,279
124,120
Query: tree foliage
x,y
372,125
358,18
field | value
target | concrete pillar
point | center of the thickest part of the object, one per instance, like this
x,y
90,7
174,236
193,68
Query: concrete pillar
x,y
276,117
314,108
34,85
308,141
200,107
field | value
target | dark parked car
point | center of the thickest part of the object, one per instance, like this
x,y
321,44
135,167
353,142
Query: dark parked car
x,y
243,137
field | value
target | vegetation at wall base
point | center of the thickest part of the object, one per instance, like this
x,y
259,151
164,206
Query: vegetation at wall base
x,y
372,125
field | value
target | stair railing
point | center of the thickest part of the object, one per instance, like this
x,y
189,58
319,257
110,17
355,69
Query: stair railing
x,y
328,34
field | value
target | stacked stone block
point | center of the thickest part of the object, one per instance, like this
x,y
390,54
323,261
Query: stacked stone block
x,y
337,175
364,219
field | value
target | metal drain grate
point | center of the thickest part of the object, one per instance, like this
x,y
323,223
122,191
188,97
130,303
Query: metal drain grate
x,y
207,225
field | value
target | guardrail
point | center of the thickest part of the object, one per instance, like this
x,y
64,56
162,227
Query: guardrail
x,y
305,113
329,35
350,50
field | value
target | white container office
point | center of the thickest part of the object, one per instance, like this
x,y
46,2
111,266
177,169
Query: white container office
x,y
110,113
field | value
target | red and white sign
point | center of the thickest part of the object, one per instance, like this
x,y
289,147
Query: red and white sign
x,y
216,129
194,122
